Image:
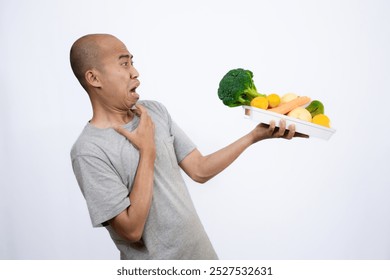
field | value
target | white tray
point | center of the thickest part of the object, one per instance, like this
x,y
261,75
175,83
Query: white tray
x,y
308,128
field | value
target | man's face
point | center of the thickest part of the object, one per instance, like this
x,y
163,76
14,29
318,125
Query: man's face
x,y
118,75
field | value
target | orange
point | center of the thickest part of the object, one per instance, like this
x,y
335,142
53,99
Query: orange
x,y
273,100
321,119
260,102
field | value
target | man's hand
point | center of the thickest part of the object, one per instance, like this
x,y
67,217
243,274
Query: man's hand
x,y
264,131
143,136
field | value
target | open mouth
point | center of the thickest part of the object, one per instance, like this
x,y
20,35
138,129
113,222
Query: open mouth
x,y
134,88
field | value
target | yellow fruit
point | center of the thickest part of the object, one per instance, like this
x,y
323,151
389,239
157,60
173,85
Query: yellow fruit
x,y
288,97
260,102
273,100
321,119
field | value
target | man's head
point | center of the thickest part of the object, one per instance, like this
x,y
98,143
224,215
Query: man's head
x,y
104,67
85,54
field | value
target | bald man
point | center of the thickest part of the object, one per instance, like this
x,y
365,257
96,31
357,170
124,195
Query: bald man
x,y
128,157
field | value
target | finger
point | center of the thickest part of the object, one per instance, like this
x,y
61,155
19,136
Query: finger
x,y
282,128
272,124
271,128
143,115
145,120
136,111
291,131
140,108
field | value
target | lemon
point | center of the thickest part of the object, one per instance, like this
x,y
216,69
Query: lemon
x,y
321,119
273,100
260,102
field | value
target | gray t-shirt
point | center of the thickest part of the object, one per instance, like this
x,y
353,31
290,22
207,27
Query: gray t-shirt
x,y
105,164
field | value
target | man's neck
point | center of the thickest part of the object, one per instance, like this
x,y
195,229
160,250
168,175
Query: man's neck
x,y
103,118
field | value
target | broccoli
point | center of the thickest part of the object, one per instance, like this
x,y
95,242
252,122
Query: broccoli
x,y
237,88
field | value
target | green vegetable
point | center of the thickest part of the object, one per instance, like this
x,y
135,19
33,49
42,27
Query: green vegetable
x,y
315,108
237,88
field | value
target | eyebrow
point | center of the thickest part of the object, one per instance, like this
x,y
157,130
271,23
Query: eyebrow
x,y
125,56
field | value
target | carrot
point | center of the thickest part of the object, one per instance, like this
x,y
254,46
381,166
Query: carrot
x,y
291,105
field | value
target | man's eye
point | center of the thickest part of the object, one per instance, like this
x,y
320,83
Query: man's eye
x,y
125,63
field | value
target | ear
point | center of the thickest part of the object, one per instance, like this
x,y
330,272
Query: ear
x,y
92,78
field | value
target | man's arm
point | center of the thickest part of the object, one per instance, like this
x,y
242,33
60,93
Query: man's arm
x,y
202,168
130,223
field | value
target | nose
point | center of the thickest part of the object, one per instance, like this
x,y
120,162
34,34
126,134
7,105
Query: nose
x,y
134,73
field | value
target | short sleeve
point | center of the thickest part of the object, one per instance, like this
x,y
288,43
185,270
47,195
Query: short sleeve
x,y
103,190
183,144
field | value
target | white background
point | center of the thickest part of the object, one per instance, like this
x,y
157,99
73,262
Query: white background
x,y
299,199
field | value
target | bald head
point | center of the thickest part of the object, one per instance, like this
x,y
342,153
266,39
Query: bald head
x,y
85,54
